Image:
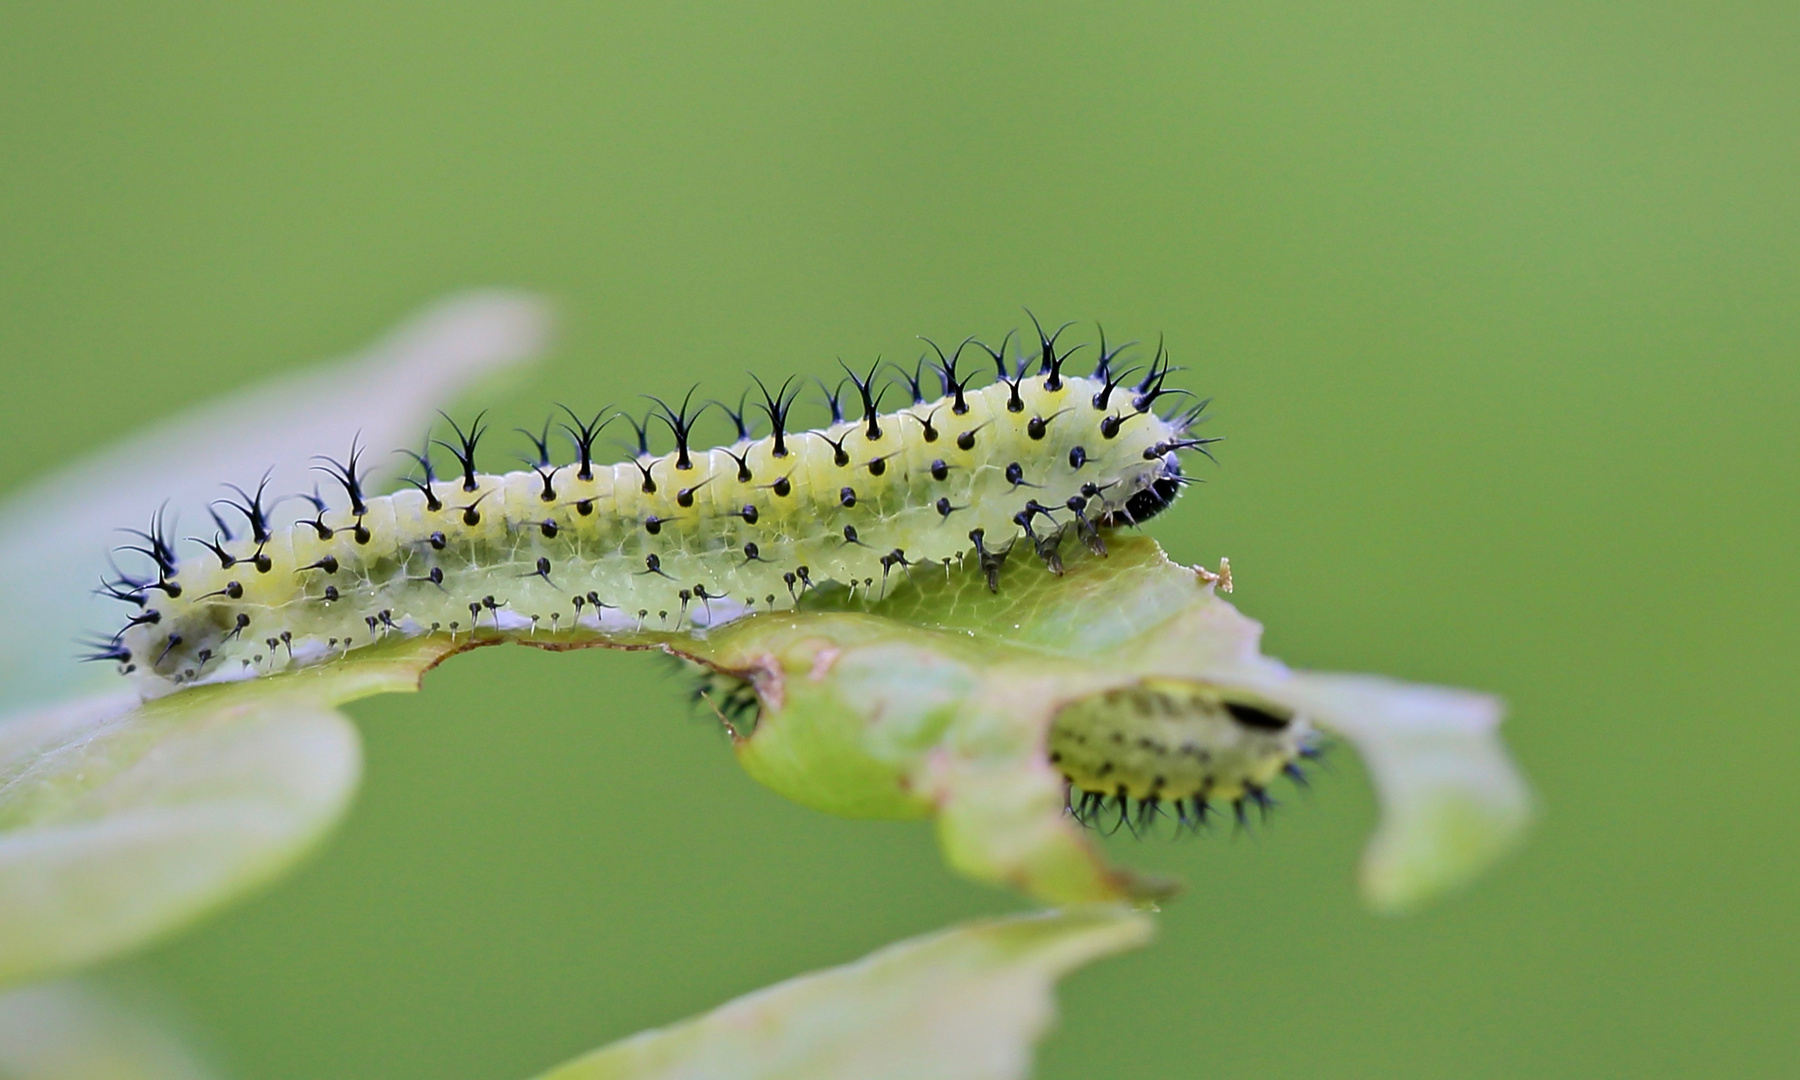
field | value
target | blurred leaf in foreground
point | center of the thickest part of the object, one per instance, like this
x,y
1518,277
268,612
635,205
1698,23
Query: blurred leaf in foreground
x,y
120,822
74,1031
965,1004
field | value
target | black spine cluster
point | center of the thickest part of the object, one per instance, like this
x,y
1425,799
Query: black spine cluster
x,y
1108,813
463,450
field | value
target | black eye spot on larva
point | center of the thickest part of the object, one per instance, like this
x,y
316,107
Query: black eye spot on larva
x,y
847,497
1255,716
966,441
1153,500
1077,457
939,470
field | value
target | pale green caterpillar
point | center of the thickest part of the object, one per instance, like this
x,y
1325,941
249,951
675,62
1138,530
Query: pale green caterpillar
x,y
684,539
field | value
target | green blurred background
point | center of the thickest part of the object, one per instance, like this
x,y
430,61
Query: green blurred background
x,y
1501,306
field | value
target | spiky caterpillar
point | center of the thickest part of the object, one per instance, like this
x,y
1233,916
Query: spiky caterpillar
x,y
1176,744
690,537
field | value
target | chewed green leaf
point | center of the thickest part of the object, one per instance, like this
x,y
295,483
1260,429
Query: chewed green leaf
x,y
73,1031
1451,800
120,822
965,1004
1125,676
54,535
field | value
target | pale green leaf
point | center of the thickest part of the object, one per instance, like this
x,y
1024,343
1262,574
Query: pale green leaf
x,y
968,1003
120,822
74,1031
1451,800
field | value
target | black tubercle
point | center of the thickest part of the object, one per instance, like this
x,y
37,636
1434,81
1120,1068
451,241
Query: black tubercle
x,y
834,398
432,503
914,380
777,406
1050,362
955,386
347,475
738,416
539,442
871,398
640,428
1152,387
1014,403
251,506
1103,366
160,551
582,434
743,466
463,450
931,432
839,456
682,425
